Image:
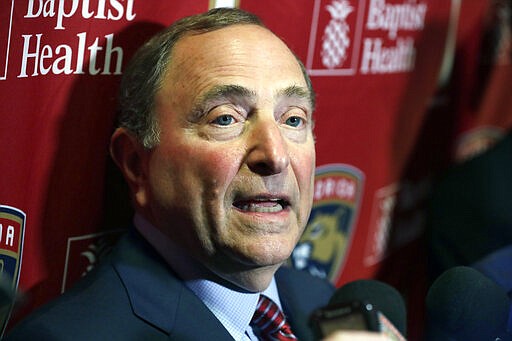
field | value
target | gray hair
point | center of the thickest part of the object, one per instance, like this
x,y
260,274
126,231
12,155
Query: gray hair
x,y
143,76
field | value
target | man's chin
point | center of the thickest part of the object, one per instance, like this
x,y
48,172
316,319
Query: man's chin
x,y
251,260
245,277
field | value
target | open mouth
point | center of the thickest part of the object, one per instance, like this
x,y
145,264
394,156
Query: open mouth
x,y
262,205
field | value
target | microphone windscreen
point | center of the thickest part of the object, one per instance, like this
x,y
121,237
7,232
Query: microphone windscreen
x,y
382,296
465,305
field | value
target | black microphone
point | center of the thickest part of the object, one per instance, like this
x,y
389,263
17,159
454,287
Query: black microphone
x,y
378,304
463,304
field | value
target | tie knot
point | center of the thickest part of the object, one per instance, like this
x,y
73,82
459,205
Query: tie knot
x,y
270,321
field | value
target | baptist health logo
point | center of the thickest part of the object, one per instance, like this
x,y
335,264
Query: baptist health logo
x,y
347,38
5,39
42,53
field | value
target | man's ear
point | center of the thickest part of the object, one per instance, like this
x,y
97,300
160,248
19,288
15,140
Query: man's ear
x,y
131,158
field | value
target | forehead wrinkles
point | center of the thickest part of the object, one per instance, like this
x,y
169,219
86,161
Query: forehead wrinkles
x,y
242,55
225,47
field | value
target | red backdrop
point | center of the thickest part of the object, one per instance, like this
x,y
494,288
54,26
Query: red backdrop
x,y
383,126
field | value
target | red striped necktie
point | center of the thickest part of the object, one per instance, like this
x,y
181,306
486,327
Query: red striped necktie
x,y
270,321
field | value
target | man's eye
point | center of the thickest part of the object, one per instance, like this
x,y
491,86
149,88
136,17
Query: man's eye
x,y
294,121
224,120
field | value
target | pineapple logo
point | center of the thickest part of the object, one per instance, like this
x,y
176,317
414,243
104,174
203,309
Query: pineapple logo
x,y
6,20
95,252
85,252
336,40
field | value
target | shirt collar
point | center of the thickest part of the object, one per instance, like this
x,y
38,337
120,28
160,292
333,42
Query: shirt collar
x,y
233,308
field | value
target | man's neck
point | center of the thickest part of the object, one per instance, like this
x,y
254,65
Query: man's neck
x,y
244,278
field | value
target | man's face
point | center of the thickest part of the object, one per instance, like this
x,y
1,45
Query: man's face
x,y
232,178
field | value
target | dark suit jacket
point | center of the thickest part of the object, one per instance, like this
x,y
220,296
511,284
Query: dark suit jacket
x,y
136,296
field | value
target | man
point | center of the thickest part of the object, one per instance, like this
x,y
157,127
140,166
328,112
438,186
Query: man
x,y
216,144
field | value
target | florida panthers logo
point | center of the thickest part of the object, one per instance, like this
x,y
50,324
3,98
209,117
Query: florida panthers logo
x,y
12,231
326,239
321,243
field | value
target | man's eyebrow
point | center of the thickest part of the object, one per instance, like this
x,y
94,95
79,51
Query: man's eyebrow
x,y
298,92
222,92
232,92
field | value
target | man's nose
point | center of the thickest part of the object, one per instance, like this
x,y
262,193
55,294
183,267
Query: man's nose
x,y
268,150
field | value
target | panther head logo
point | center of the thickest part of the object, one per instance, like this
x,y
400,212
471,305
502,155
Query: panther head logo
x,y
322,244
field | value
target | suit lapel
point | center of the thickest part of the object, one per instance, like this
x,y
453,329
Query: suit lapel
x,y
297,317
160,298
300,295
195,322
